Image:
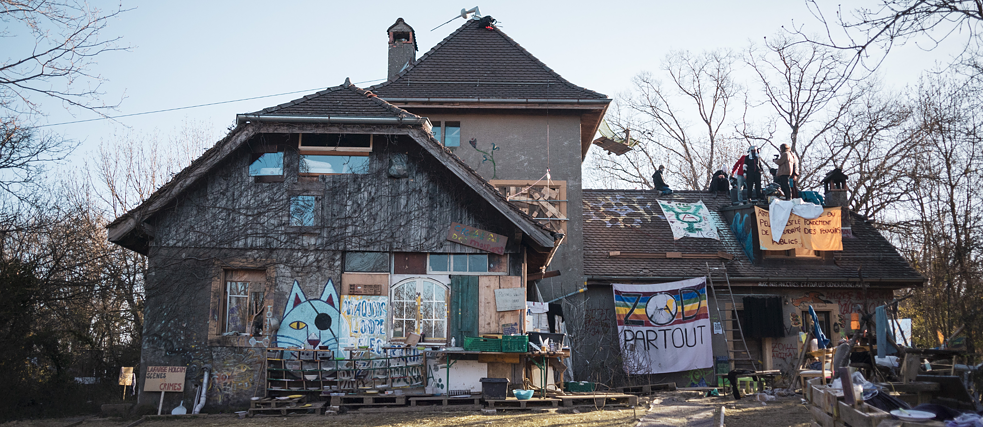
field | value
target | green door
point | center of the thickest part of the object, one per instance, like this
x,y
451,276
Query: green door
x,y
464,308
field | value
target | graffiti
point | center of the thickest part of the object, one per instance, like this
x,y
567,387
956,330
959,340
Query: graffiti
x,y
234,375
489,156
742,230
698,377
364,322
597,321
310,323
794,319
811,298
620,211
785,351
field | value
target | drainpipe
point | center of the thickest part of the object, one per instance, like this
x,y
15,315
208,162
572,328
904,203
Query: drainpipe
x,y
200,398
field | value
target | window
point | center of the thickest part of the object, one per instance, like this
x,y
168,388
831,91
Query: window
x,y
367,262
329,165
449,134
303,211
267,164
335,142
824,322
468,263
244,298
420,305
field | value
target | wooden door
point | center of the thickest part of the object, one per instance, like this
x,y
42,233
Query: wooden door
x,y
464,308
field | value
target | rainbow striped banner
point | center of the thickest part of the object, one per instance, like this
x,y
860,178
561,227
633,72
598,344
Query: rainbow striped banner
x,y
664,327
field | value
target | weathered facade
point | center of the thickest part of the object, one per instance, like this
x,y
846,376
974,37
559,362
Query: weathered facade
x,y
628,239
274,238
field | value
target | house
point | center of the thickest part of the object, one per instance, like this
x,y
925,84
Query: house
x,y
362,207
629,241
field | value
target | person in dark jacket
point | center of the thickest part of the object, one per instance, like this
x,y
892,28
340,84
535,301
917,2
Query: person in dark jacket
x,y
752,173
719,183
658,183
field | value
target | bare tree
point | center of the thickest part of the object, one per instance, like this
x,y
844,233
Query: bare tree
x,y
806,86
684,122
65,39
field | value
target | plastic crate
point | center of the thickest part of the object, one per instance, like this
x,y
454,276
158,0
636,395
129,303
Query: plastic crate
x,y
515,343
579,387
482,344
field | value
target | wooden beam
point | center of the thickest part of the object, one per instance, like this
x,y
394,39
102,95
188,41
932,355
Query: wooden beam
x,y
537,276
672,255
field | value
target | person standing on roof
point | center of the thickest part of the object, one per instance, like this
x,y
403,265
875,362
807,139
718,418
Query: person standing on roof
x,y
737,172
752,173
658,183
788,167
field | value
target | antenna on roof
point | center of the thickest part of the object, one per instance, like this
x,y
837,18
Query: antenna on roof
x,y
474,12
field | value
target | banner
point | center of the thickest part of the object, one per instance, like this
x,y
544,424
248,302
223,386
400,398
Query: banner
x,y
665,327
689,220
820,234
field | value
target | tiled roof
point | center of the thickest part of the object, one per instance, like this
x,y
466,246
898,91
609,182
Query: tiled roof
x,y
631,221
478,62
346,100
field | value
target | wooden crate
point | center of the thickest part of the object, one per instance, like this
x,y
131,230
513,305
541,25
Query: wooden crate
x,y
863,415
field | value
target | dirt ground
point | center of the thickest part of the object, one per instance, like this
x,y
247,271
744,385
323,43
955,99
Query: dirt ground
x,y
663,409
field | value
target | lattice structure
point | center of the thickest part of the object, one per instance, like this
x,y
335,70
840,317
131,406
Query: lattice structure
x,y
546,202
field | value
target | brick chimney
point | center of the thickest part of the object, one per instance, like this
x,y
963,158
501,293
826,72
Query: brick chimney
x,y
835,187
402,47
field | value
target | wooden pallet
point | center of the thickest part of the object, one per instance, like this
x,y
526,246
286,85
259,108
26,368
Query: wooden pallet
x,y
368,400
513,403
599,400
285,406
444,401
645,389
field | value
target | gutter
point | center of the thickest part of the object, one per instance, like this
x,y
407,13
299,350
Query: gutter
x,y
242,118
765,280
503,100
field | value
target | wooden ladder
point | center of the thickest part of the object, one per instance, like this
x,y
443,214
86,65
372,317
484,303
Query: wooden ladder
x,y
737,350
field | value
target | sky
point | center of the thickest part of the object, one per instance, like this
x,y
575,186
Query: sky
x,y
185,53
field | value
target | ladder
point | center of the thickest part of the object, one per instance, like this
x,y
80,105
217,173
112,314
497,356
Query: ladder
x,y
737,350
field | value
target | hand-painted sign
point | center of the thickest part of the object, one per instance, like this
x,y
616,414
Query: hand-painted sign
x,y
689,220
165,378
510,299
665,327
477,238
820,234
126,375
364,321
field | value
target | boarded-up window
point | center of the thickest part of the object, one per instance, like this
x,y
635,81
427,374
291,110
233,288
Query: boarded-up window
x,y
546,201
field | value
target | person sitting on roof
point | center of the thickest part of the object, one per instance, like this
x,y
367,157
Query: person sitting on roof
x,y
658,183
719,182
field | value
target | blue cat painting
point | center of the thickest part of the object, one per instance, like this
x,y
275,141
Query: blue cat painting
x,y
310,323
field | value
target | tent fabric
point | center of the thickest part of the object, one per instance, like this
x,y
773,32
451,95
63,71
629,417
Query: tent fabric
x,y
763,317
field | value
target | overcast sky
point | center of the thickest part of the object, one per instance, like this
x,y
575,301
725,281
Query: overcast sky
x,y
190,53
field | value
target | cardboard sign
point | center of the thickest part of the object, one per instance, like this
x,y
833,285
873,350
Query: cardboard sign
x,y
820,234
165,378
477,238
510,299
126,375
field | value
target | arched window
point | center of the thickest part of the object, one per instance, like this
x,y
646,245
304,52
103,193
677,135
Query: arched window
x,y
419,305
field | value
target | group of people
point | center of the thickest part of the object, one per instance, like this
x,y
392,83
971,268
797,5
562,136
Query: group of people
x,y
746,175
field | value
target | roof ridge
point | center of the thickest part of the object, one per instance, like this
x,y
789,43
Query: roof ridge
x,y
474,23
379,101
292,102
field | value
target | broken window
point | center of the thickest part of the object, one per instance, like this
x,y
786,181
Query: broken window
x,y
267,164
303,211
544,201
420,305
244,299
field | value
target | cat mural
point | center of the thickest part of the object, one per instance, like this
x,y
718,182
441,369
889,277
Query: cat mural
x,y
310,323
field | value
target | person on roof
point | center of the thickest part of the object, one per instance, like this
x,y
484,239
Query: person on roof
x,y
788,169
740,184
658,183
752,173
